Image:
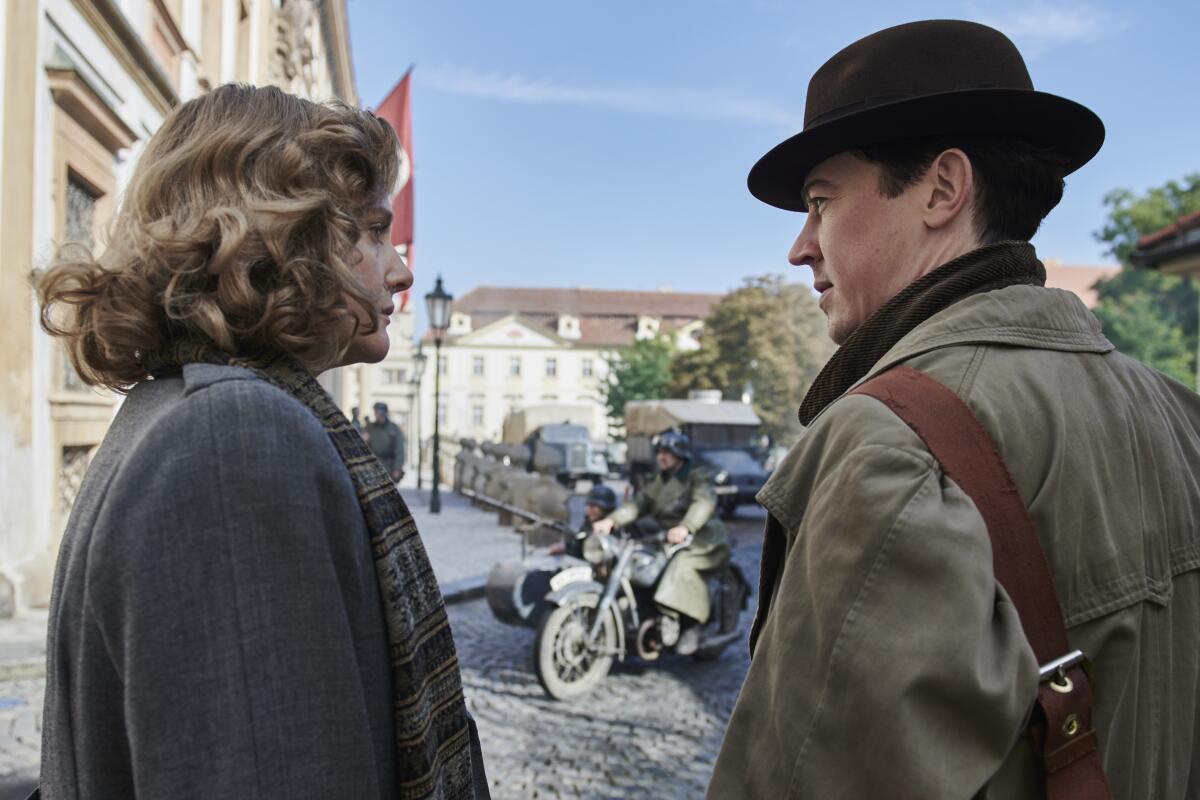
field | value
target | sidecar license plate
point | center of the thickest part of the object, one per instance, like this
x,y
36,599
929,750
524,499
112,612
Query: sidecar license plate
x,y
570,575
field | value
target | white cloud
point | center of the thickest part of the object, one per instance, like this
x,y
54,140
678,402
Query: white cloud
x,y
1043,26
659,101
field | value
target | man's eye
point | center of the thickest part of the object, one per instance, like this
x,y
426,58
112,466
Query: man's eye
x,y
815,203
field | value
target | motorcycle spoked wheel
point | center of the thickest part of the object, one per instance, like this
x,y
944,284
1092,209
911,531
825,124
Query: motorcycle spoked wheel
x,y
565,666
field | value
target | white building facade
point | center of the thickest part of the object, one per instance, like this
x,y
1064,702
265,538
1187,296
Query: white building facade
x,y
86,83
510,348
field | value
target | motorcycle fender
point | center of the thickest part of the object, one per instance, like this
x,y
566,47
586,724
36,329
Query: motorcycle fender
x,y
572,590
580,589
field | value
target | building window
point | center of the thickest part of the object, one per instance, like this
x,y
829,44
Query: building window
x,y
81,212
395,376
79,226
477,416
514,367
477,366
442,365
551,367
588,368
70,477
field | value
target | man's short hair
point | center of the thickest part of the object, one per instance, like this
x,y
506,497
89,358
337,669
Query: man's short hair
x,y
1017,183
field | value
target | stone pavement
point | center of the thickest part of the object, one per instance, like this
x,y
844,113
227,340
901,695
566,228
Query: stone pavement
x,y
650,730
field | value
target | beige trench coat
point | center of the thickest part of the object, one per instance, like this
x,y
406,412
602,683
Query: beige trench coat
x,y
684,497
888,663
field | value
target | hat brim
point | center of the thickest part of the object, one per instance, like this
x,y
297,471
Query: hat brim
x,y
1072,130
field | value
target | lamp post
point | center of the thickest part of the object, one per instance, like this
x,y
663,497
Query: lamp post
x,y
437,303
418,369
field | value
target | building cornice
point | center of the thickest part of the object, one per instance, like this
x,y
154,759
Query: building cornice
x,y
74,95
119,37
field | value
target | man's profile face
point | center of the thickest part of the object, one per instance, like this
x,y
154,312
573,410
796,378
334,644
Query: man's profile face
x,y
667,460
381,415
593,512
857,242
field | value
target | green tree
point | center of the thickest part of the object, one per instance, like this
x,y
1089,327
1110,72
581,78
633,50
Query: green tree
x,y
768,338
1148,315
638,372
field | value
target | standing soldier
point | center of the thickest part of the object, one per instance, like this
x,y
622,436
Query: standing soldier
x,y
682,501
387,442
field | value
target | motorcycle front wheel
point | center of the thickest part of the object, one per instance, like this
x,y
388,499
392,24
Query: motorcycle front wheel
x,y
566,665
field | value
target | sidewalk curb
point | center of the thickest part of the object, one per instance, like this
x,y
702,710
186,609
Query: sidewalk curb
x,y
464,589
23,669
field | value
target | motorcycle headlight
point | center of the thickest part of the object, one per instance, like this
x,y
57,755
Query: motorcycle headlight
x,y
596,548
722,477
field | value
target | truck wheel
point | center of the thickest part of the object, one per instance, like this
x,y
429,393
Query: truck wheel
x,y
565,664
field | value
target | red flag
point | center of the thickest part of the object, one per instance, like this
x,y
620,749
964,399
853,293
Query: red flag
x,y
396,110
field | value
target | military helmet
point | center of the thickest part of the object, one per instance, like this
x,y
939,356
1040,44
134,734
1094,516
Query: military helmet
x,y
603,497
674,442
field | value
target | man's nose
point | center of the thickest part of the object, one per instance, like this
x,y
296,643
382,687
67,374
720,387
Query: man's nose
x,y
805,251
398,276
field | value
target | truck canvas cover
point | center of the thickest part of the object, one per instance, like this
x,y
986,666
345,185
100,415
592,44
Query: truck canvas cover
x,y
648,417
522,422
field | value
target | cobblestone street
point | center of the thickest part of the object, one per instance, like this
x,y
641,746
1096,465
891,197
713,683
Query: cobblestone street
x,y
648,731
20,736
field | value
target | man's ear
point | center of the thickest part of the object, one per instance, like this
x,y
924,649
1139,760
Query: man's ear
x,y
950,184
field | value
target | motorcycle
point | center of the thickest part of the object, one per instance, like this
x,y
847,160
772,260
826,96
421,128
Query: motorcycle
x,y
603,610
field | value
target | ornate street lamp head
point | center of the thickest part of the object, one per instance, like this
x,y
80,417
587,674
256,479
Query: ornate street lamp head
x,y
437,303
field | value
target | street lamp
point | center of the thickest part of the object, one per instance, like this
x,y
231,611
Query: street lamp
x,y
437,303
418,370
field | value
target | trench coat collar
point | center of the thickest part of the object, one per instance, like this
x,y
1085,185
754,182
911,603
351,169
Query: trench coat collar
x,y
1016,316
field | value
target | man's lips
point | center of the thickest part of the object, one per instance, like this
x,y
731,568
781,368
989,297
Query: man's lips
x,y
822,286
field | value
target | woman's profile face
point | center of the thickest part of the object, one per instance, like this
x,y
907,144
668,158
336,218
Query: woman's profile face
x,y
384,273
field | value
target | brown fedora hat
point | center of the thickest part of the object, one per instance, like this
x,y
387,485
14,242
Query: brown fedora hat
x,y
927,78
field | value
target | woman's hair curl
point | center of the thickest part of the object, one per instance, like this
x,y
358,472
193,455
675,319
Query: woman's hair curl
x,y
237,233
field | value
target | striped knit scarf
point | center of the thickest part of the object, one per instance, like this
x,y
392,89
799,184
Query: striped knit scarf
x,y
990,267
433,748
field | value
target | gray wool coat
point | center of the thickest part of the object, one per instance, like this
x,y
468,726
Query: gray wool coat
x,y
216,628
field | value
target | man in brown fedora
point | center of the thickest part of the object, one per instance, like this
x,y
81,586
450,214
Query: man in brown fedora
x,y
892,653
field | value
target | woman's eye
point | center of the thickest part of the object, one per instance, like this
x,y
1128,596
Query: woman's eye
x,y
377,231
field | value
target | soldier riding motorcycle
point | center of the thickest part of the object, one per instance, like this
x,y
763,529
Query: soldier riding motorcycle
x,y
657,578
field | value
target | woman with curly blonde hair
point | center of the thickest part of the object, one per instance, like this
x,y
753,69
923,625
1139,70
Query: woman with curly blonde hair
x,y
242,605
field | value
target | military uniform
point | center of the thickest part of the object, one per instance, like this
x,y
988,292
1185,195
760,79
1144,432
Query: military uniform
x,y
387,443
684,497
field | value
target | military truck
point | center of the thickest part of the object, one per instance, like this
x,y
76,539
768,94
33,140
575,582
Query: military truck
x,y
559,439
723,435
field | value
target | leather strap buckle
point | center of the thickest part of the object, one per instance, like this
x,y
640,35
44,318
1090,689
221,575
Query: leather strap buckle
x,y
1054,672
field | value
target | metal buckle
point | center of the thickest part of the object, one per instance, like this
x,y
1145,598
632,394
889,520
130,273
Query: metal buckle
x,y
1055,672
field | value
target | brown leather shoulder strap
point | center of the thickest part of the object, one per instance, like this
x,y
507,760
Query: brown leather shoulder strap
x,y
970,458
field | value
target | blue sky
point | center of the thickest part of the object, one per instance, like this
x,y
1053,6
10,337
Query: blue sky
x,y
606,144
